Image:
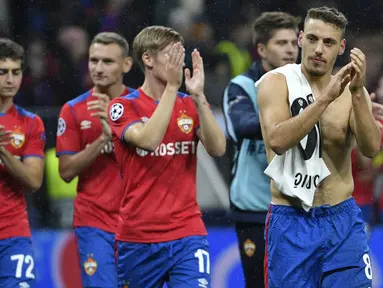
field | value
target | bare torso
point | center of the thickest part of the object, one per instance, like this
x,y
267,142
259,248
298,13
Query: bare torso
x,y
338,141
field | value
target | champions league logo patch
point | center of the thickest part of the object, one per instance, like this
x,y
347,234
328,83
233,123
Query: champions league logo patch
x,y
185,123
116,111
17,139
61,127
90,266
249,247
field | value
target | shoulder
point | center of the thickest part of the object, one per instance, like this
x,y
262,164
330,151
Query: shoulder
x,y
185,98
81,99
271,80
31,120
120,103
25,113
126,99
279,75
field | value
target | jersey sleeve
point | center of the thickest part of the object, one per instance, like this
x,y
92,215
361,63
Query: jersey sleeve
x,y
35,143
68,132
122,115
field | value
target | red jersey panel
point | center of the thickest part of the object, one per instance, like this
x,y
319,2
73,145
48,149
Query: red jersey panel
x,y
362,189
28,140
159,201
99,187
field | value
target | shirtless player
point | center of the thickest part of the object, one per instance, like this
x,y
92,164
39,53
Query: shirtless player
x,y
326,246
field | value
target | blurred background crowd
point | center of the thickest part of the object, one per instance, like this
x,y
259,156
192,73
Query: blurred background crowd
x,y
56,35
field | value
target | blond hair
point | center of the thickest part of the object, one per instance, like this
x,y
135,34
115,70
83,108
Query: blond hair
x,y
153,39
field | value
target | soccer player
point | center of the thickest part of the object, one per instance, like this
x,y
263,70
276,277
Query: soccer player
x,y
324,245
22,141
275,38
156,130
85,149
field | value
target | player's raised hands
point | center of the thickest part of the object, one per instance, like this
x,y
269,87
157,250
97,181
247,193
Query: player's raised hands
x,y
175,59
338,82
5,136
358,73
195,84
106,130
99,107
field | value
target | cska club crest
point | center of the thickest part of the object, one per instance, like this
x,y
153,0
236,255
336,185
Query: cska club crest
x,y
185,123
90,266
17,139
249,247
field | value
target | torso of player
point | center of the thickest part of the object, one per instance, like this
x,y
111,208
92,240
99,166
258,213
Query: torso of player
x,y
19,127
13,214
337,141
99,188
90,130
160,195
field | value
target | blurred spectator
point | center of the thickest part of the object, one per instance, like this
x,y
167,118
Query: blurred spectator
x,y
237,46
364,174
39,87
73,63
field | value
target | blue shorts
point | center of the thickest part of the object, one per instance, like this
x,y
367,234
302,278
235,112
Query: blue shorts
x,y
182,263
17,265
96,249
325,247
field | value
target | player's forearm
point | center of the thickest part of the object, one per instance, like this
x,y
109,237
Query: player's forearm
x,y
151,135
245,120
29,177
70,166
213,139
287,134
367,132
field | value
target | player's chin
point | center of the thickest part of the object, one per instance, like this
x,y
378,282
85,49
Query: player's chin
x,y
101,82
317,71
7,94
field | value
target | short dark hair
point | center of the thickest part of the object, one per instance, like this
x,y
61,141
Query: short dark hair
x,y
266,24
328,15
107,38
11,50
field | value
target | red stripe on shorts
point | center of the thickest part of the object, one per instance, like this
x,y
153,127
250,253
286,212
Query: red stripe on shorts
x,y
266,258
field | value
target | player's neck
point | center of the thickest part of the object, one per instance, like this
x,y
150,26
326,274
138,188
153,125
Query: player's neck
x,y
319,82
153,87
266,67
113,91
5,103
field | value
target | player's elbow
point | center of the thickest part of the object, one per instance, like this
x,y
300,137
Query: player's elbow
x,y
146,142
275,141
151,147
34,185
148,146
66,175
276,145
219,150
371,151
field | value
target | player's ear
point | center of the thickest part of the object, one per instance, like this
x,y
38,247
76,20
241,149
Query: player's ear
x,y
261,50
342,46
300,37
128,63
147,59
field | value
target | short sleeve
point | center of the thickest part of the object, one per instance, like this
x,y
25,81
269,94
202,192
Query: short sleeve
x,y
68,133
122,115
36,139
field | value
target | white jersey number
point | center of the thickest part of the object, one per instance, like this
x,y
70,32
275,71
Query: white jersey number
x,y
21,259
